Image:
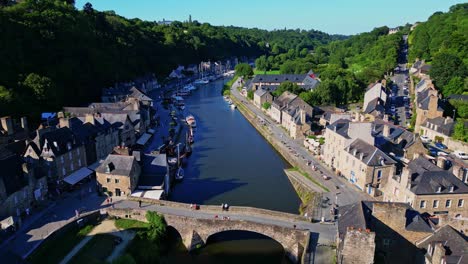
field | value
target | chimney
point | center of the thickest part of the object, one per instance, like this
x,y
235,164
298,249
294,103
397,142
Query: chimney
x,y
439,253
7,124
433,102
64,122
361,156
24,123
386,130
354,152
89,118
441,162
385,118
392,214
303,116
448,120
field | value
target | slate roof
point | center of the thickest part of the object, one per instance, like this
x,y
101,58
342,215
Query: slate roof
x,y
425,68
426,177
278,78
62,136
443,128
359,215
372,156
260,92
376,106
122,165
341,127
307,81
452,240
424,98
136,93
417,64
12,174
284,99
463,97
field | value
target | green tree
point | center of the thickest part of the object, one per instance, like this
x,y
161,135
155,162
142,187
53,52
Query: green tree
x,y
454,86
124,259
266,105
445,67
244,69
262,63
42,87
250,95
287,86
5,95
157,226
460,131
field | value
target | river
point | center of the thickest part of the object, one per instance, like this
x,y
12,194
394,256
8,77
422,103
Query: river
x,y
232,163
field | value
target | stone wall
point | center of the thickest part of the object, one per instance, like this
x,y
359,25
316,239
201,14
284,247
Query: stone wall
x,y
358,248
457,145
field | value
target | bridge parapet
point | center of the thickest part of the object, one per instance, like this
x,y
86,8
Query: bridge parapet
x,y
244,210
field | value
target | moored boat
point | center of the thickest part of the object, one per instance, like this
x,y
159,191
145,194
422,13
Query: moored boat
x,y
180,174
191,121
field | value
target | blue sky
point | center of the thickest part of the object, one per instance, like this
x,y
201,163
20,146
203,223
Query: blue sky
x,y
331,16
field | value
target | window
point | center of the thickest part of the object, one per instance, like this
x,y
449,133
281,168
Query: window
x,y
451,188
435,203
78,151
386,242
79,163
71,166
379,175
396,191
460,202
61,159
439,189
116,180
422,204
64,171
108,180
448,203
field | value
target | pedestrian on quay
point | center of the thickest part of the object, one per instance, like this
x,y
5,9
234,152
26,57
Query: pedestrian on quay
x,y
139,204
294,226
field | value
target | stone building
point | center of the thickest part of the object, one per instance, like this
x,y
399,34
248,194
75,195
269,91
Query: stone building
x,y
438,129
430,189
279,104
62,153
446,245
12,130
375,99
306,81
396,229
428,106
262,96
118,175
22,185
349,150
98,135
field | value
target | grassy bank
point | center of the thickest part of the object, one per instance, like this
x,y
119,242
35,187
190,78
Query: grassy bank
x,y
306,175
96,250
227,86
54,250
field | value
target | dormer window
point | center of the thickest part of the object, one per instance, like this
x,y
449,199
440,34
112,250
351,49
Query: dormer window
x,y
451,188
69,146
439,189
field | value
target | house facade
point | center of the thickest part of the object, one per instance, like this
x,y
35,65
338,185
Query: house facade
x,y
429,188
438,129
118,175
428,106
262,96
308,81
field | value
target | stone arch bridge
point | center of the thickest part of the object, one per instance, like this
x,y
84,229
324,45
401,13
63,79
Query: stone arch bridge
x,y
195,231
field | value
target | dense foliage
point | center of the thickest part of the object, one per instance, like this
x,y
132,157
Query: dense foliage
x,y
54,55
345,67
443,42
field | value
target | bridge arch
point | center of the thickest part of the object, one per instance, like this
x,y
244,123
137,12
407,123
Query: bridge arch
x,y
195,233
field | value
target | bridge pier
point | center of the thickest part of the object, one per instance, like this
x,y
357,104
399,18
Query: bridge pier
x,y
294,252
192,240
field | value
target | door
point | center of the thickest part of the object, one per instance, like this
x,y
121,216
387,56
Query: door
x,y
117,192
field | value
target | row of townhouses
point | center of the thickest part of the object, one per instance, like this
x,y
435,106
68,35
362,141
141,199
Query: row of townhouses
x,y
67,149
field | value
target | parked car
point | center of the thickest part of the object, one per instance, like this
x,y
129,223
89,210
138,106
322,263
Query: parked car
x,y
392,108
325,177
425,139
440,145
460,154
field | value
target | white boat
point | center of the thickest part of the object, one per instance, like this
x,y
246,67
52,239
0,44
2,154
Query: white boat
x,y
201,81
229,102
172,161
233,106
180,174
191,121
189,87
226,97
